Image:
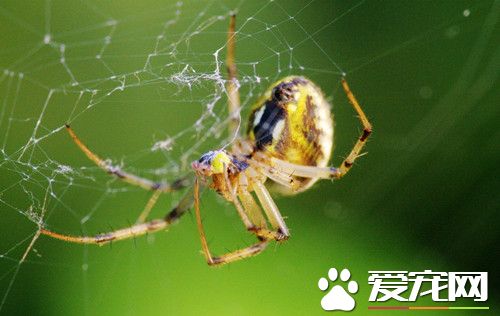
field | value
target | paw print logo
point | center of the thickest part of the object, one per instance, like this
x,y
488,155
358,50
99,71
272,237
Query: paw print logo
x,y
338,299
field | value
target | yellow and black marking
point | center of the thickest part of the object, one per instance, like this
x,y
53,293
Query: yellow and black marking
x,y
292,122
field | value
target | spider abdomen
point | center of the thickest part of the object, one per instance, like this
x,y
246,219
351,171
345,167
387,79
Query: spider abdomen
x,y
292,121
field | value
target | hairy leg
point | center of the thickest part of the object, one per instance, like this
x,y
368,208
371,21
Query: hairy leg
x,y
130,232
125,176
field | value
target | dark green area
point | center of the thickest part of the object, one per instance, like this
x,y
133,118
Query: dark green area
x,y
424,197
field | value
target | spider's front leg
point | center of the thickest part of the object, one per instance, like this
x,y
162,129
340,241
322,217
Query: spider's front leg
x,y
125,176
130,232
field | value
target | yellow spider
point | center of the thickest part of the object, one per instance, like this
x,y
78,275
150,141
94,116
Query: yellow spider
x,y
289,140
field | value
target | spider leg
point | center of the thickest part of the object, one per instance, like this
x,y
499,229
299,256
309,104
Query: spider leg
x,y
305,171
272,211
277,175
260,230
228,257
233,94
367,130
251,208
125,176
250,211
237,204
136,230
147,209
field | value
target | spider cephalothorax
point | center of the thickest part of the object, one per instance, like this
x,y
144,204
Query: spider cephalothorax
x,y
215,162
222,168
289,141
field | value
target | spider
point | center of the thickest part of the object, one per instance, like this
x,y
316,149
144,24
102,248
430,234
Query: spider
x,y
289,141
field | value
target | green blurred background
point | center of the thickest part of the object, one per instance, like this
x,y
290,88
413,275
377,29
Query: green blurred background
x,y
425,197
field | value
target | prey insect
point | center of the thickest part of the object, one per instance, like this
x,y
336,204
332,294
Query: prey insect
x,y
289,141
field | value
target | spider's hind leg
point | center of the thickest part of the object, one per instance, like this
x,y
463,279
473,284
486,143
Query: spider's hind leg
x,y
367,130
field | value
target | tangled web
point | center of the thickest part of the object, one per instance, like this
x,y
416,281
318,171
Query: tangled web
x,y
96,66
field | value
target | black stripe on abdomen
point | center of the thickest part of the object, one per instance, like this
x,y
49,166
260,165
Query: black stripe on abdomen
x,y
263,131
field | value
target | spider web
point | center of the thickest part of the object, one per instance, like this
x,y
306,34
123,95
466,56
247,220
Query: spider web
x,y
144,70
